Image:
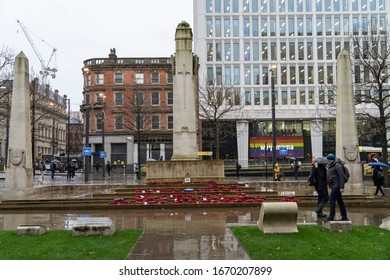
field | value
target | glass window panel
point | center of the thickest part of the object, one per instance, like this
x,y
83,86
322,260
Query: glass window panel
x,y
310,75
235,6
355,25
345,5
118,99
264,51
309,27
320,51
273,27
309,47
236,75
256,75
336,5
328,26
257,97
255,6
155,122
318,5
327,6
282,5
291,27
263,6
265,75
246,28
247,70
283,51
209,6
292,50
155,98
236,51
311,97
248,100
329,50
336,26
372,5
272,5
228,55
170,98
321,97
218,52
273,51
284,98
209,52
301,51
256,52
302,98
218,74
228,76
227,27
300,26
118,77
301,75
321,74
217,6
299,5
282,26
382,25
331,98
374,26
264,29
255,27
293,78
293,97
226,6
308,6
338,49
210,75
319,26
330,75
381,5
236,26
346,26
245,6
291,5
218,28
265,98
209,28
354,5
284,75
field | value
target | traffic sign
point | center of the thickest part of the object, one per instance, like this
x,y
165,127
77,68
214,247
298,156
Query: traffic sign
x,y
283,151
102,154
87,151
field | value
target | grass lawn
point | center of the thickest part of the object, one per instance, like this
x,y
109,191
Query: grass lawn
x,y
315,243
61,245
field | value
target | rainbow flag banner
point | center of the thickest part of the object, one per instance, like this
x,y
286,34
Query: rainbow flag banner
x,y
261,146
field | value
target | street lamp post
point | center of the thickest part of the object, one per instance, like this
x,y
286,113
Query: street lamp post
x,y
273,120
68,133
102,97
87,158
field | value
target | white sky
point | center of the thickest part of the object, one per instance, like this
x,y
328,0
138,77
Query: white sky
x,y
84,29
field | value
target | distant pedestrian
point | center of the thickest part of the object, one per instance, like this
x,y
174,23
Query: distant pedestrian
x,y
108,168
321,187
53,168
277,172
238,169
336,182
378,176
296,169
42,169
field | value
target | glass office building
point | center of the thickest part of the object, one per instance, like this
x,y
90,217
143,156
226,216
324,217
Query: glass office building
x,y
239,41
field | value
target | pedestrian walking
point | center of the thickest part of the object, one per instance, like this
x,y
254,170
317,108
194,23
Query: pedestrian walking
x,y
42,169
296,169
378,176
238,169
277,172
321,187
108,168
336,182
53,167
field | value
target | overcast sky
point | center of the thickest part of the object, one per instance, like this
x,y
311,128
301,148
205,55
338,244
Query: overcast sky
x,y
83,29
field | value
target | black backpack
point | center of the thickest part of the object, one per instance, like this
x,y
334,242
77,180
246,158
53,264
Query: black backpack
x,y
346,173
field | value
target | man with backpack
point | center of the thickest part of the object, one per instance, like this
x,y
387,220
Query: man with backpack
x,y
42,168
336,180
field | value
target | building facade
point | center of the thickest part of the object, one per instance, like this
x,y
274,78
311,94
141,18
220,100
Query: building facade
x,y
129,102
244,42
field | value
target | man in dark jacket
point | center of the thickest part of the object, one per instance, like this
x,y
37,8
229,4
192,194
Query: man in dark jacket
x,y
321,188
336,181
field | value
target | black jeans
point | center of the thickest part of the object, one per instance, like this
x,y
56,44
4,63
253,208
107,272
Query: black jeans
x,y
323,198
379,189
335,195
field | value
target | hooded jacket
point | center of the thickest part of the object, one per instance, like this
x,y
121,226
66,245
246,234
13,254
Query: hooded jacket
x,y
335,176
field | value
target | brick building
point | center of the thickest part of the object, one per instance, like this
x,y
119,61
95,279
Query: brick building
x,y
130,107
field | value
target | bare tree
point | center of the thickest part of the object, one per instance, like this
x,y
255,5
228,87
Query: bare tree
x,y
215,103
371,65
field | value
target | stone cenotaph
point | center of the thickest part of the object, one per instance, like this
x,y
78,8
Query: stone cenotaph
x,y
19,174
347,145
185,163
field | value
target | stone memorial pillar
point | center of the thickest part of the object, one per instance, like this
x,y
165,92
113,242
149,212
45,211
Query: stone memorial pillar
x,y
347,145
19,174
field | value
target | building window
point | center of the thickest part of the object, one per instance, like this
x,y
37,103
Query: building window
x,y
248,99
228,76
118,99
99,121
155,98
169,78
247,75
282,27
218,51
170,98
209,28
247,52
118,78
155,122
255,27
170,122
302,98
246,28
236,75
321,97
284,98
210,52
311,97
227,27
139,78
257,97
88,80
119,123
293,78
139,98
236,51
99,79
265,98
155,78
236,28
256,75
264,52
293,96
256,52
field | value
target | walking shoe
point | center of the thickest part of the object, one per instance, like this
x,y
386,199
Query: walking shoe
x,y
344,219
321,215
327,219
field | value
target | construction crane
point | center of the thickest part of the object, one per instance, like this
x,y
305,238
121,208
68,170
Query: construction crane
x,y
46,70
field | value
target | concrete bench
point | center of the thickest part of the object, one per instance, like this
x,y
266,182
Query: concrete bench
x,y
93,226
278,217
338,225
30,230
385,223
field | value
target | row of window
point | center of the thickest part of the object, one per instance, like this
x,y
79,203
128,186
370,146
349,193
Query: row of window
x,y
119,79
294,26
48,133
140,99
119,124
264,6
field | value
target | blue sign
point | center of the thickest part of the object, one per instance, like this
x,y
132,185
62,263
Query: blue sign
x,y
87,151
283,151
102,154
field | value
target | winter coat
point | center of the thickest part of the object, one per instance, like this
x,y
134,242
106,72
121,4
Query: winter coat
x,y
320,174
377,176
335,176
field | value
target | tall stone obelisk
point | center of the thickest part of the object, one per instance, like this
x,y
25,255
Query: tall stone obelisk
x,y
19,174
185,96
347,145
